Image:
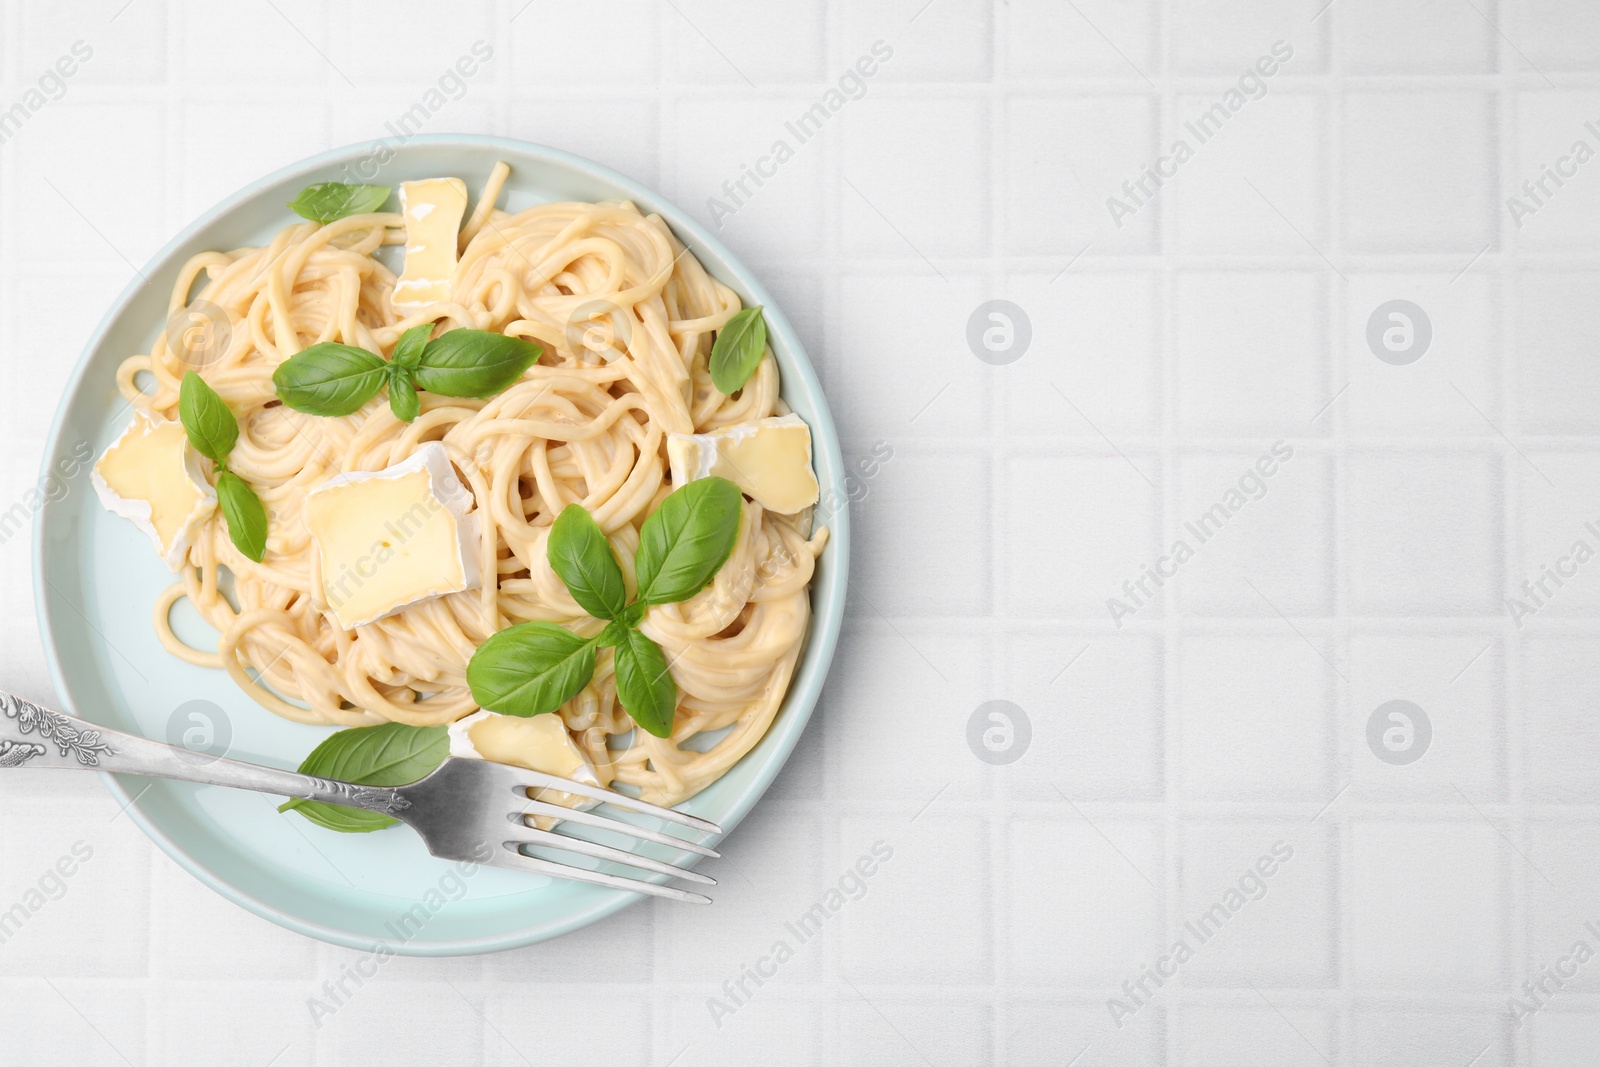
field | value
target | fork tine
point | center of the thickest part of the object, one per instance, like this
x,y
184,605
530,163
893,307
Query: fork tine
x,y
539,780
528,835
505,857
557,811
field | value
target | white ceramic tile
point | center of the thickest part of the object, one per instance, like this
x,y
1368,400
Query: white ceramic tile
x,y
880,315
1421,370
1252,352
1254,182
899,1030
1422,532
1561,738
1552,319
905,513
1064,188
919,919
1458,682
282,43
1095,711
196,935
111,49
1554,541
1097,37
950,42
1555,35
1560,1036
1094,337
74,214
534,1023
768,1028
365,1021
1097,927
717,181
1400,1038
725,42
776,878
1418,173
397,118
1047,1031
1425,905
192,1020
1373,37
411,45
1075,530
1255,714
883,669
1215,37
1562,857
1257,905
1549,203
85,1021
622,134
1223,1037
75,890
1260,527
914,176
550,43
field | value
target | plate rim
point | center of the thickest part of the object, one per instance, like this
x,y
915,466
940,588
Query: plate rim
x,y
823,633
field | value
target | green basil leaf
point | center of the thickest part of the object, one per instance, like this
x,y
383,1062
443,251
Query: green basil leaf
x,y
645,685
474,363
390,754
247,519
580,555
530,669
737,350
212,429
403,398
408,350
329,379
327,201
633,614
687,538
614,634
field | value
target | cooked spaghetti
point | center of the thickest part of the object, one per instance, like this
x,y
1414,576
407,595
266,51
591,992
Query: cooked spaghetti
x,y
625,317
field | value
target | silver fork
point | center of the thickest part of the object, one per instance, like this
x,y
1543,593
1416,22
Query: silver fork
x,y
467,809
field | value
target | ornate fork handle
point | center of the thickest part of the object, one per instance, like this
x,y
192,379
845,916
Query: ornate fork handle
x,y
32,736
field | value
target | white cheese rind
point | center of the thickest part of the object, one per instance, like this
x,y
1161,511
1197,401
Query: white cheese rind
x,y
569,763
444,490
433,210
769,459
541,743
141,512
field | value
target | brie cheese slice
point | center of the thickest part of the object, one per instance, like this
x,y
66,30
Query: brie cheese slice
x,y
388,539
433,210
769,459
152,477
539,743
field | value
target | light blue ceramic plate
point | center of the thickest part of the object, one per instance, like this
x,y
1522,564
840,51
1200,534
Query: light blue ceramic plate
x,y
96,577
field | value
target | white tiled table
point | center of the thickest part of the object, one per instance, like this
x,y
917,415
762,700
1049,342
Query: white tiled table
x,y
1168,754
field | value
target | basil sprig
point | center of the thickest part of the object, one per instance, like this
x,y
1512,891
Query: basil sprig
x,y
213,431
327,201
390,754
535,667
737,350
329,379
332,379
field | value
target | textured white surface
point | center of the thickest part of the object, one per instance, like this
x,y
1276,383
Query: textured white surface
x,y
1168,754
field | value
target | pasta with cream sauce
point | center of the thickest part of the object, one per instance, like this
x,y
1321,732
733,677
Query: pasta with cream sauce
x,y
625,316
